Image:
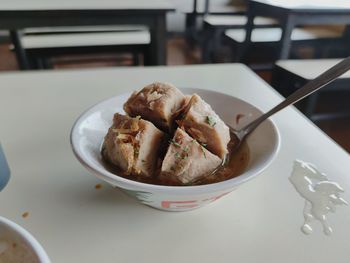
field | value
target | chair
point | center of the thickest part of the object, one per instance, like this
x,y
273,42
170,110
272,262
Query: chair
x,y
43,44
289,75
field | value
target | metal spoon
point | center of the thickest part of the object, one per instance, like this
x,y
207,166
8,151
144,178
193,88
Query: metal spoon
x,y
309,88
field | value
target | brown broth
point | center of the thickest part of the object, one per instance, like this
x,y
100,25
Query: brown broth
x,y
236,164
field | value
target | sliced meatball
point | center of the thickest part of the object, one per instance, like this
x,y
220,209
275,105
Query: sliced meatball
x,y
186,160
157,102
133,145
204,125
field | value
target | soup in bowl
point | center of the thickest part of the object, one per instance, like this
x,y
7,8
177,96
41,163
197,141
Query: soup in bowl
x,y
17,245
254,156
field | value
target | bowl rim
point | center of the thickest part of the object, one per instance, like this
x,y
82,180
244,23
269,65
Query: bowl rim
x,y
192,189
29,239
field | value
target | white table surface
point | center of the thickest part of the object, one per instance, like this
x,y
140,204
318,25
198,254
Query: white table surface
x,y
17,5
259,222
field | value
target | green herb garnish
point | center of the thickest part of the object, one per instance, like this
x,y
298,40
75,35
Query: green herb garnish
x,y
185,156
203,150
226,160
175,143
177,155
202,145
211,121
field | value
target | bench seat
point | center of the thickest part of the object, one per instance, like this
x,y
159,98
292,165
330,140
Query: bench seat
x,y
81,29
275,34
64,40
264,43
236,21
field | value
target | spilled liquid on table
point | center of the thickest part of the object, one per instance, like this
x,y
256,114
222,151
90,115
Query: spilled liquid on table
x,y
321,195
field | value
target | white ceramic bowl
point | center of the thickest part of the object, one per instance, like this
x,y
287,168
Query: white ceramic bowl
x,y
15,238
89,130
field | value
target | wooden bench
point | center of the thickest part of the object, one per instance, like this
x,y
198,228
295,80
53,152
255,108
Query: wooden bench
x,y
316,37
194,17
229,21
215,25
42,44
289,75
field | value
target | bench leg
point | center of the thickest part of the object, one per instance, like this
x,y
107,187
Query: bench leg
x,y
190,30
147,61
285,42
21,55
217,44
135,58
208,45
157,48
39,63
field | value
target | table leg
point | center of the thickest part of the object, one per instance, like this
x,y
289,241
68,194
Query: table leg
x,y
207,44
194,6
286,38
248,34
249,26
157,50
206,7
190,29
21,55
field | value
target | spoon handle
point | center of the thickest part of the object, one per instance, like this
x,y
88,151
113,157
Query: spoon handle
x,y
310,87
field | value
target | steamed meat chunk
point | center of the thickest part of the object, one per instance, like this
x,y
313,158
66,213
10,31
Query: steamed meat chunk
x,y
204,125
157,102
132,144
186,160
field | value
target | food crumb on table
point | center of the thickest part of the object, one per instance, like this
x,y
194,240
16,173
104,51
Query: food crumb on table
x,y
25,214
98,186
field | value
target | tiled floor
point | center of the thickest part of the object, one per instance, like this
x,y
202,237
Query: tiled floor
x,y
178,54
7,59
